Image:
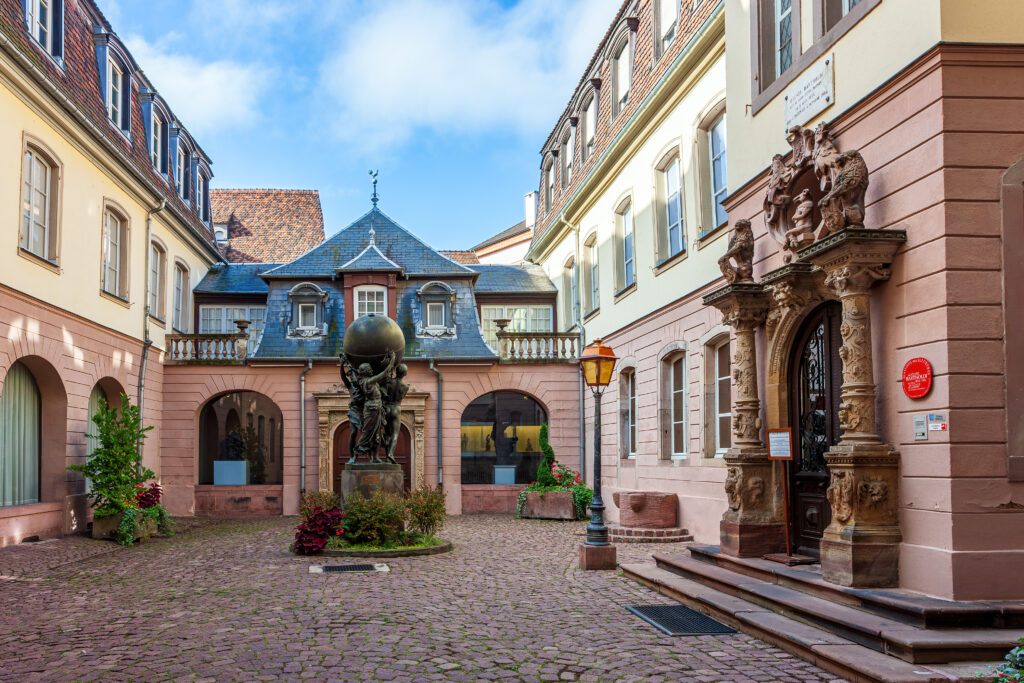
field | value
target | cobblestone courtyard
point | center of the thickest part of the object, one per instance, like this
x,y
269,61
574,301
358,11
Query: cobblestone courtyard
x,y
222,600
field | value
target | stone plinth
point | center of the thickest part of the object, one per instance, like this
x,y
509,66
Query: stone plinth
x,y
647,509
549,505
597,557
621,534
369,477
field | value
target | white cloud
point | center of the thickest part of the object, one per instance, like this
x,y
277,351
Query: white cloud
x,y
455,66
206,95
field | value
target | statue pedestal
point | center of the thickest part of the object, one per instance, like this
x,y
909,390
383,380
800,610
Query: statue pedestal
x,y
369,477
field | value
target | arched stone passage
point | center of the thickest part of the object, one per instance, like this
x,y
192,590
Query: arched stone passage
x,y
500,439
235,452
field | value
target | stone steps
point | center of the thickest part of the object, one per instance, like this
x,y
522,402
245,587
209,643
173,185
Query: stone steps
x,y
830,651
906,606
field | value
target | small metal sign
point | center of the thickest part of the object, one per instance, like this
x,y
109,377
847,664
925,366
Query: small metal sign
x,y
780,444
937,422
920,428
812,93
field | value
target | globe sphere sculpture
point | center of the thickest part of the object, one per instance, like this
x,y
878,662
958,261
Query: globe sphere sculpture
x,y
370,337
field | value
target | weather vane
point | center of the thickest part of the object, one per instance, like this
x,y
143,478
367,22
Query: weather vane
x,y
374,197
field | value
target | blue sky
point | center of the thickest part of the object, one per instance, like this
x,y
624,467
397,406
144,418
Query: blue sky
x,y
449,99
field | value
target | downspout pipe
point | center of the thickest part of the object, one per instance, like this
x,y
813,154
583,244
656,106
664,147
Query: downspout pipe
x,y
440,428
302,428
140,395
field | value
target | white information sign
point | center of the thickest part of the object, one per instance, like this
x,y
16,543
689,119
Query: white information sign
x,y
811,93
780,444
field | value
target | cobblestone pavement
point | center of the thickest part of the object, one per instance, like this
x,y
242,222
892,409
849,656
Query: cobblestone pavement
x,y
223,600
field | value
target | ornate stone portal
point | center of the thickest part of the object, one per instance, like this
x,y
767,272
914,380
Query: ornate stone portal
x,y
814,209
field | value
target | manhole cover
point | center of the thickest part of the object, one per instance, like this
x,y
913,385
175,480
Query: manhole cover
x,y
348,568
678,620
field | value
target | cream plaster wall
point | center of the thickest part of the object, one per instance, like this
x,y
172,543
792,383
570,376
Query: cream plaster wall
x,y
991,21
512,254
885,41
90,177
636,179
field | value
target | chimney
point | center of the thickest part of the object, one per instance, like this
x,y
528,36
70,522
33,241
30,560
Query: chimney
x,y
530,209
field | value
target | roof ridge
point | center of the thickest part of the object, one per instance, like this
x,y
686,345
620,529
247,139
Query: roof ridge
x,y
265,189
407,232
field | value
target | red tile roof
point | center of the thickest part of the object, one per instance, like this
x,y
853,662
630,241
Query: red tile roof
x,y
461,256
268,225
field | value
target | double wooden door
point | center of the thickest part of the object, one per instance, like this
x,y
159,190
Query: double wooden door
x,y
815,381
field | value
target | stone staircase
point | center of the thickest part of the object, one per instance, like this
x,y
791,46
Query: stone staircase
x,y
864,635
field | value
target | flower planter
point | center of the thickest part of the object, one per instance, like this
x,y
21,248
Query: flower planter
x,y
105,527
549,505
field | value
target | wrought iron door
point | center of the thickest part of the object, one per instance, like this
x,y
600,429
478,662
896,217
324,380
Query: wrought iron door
x,y
815,381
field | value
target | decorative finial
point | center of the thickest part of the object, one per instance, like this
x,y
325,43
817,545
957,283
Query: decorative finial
x,y
374,198
372,233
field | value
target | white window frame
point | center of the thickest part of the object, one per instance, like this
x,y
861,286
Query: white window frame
x,y
361,307
667,34
223,317
782,42
566,153
522,318
308,306
113,244
179,319
179,172
623,71
549,185
717,193
627,259
220,232
630,433
589,120
719,348
115,94
35,25
678,451
592,265
157,264
849,5
433,306
156,139
32,161
200,197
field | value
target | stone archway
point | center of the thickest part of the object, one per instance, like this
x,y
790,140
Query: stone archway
x,y
332,411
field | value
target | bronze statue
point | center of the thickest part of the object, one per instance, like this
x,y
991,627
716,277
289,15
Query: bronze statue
x,y
741,249
372,427
357,398
395,390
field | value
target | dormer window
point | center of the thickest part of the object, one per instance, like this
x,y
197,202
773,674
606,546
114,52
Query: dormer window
x,y
43,20
156,143
565,154
668,18
180,182
115,88
623,75
220,232
437,301
200,197
307,311
371,299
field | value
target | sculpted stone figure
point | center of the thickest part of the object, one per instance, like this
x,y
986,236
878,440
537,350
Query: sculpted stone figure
x,y
777,198
823,157
844,204
357,398
741,249
372,430
395,390
802,232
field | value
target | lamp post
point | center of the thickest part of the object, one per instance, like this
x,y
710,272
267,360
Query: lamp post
x,y
597,362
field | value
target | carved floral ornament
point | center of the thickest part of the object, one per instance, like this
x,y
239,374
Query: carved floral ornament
x,y
836,200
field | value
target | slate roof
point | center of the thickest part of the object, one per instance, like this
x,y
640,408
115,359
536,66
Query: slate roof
x,y
395,243
467,258
79,82
267,225
517,229
523,278
371,258
234,278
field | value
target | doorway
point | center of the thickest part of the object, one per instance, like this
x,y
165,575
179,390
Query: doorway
x,y
341,454
814,387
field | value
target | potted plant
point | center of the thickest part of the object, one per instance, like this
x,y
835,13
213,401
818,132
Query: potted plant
x,y
123,507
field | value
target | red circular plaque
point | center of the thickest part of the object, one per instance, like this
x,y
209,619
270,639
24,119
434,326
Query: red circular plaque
x,y
917,378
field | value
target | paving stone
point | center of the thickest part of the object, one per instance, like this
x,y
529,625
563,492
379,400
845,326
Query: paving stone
x,y
224,600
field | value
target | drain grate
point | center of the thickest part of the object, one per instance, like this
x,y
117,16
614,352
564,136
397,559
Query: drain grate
x,y
348,568
677,620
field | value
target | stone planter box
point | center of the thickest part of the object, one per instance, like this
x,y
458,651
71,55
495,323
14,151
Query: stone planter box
x,y
549,505
407,552
104,527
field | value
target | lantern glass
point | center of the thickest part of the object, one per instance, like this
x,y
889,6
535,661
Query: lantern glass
x,y
597,361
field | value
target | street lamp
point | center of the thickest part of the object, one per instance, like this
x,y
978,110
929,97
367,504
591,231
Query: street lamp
x,y
597,362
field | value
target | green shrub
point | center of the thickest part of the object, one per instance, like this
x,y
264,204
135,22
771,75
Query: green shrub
x,y
427,511
328,500
1013,668
545,474
377,520
115,466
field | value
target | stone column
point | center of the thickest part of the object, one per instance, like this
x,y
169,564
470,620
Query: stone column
x,y
752,525
861,546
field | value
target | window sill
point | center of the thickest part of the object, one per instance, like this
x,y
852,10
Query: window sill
x,y
125,134
669,262
759,100
623,293
57,61
591,314
672,461
117,299
52,266
710,236
158,321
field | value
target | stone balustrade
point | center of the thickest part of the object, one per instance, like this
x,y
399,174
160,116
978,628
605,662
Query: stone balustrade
x,y
538,347
212,349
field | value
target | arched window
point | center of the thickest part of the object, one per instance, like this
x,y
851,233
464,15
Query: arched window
x,y
233,454
501,439
549,184
570,294
669,203
625,263
667,18
437,310
673,414
567,153
182,297
307,302
20,437
40,202
589,122
622,73
627,413
591,281
115,252
157,285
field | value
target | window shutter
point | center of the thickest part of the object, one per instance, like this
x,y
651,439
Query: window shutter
x,y
57,31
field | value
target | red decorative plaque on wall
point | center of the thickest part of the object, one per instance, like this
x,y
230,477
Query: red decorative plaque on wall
x,y
917,377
